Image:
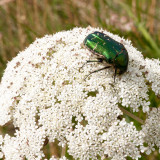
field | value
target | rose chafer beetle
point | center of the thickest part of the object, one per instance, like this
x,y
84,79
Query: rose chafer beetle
x,y
108,50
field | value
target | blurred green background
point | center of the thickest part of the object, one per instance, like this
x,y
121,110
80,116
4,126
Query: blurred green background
x,y
21,21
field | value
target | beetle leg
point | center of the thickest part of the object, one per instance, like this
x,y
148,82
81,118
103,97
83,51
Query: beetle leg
x,y
115,74
97,71
100,60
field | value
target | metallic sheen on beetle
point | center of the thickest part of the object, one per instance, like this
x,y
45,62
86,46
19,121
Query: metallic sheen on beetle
x,y
109,50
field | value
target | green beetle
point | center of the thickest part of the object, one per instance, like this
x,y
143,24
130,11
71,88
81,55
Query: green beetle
x,y
108,50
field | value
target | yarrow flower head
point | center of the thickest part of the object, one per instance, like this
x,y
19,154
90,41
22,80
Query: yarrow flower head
x,y
45,95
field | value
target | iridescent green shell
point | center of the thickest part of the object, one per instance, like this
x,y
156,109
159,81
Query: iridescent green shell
x,y
109,50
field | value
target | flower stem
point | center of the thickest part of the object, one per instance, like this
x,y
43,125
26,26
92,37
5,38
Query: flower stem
x,y
63,151
131,115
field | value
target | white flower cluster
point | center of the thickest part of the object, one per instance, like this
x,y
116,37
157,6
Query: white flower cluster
x,y
44,94
53,158
152,70
27,141
125,141
152,130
